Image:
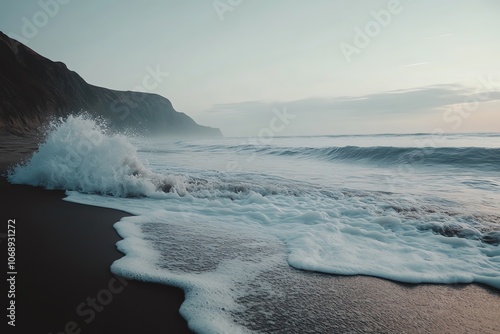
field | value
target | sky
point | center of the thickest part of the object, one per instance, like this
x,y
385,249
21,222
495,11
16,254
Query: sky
x,y
284,67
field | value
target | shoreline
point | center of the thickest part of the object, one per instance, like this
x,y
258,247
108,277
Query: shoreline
x,y
63,256
64,252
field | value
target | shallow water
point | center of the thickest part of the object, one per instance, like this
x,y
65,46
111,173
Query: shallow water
x,y
242,227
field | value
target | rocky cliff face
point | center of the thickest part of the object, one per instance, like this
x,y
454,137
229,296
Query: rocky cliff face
x,y
34,89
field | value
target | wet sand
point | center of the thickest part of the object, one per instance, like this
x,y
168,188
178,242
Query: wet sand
x,y
63,255
64,252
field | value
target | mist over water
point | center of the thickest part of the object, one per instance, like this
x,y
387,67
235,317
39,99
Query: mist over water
x,y
231,222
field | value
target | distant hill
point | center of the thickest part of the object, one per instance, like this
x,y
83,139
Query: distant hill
x,y
34,88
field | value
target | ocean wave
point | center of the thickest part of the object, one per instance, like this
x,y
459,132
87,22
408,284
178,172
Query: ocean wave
x,y
485,159
79,154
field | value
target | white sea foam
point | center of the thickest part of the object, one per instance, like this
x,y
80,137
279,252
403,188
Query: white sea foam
x,y
231,254
228,239
78,154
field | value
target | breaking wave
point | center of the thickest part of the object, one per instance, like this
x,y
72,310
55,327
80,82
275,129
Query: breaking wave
x,y
486,159
230,240
79,154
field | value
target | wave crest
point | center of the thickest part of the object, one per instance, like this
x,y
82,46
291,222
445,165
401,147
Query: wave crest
x,y
79,154
482,158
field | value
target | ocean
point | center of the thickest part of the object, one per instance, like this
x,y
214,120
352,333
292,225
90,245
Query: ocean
x,y
252,229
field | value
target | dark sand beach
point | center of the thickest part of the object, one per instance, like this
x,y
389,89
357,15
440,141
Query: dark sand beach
x,y
64,252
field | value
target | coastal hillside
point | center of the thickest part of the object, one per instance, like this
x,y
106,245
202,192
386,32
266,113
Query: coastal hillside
x,y
33,89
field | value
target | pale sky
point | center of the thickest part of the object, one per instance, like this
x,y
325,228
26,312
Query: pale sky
x,y
336,66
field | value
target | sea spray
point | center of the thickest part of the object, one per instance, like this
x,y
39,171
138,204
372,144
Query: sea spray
x,y
232,241
79,154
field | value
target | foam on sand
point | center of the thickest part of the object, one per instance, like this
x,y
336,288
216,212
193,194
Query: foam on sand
x,y
230,240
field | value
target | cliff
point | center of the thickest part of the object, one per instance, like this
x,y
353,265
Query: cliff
x,y
34,89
